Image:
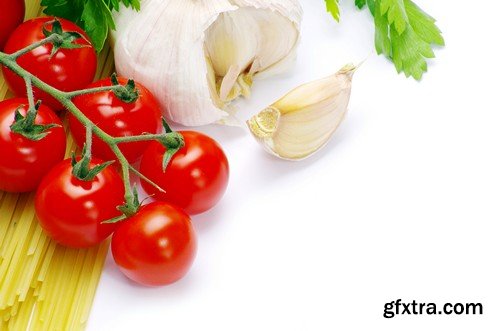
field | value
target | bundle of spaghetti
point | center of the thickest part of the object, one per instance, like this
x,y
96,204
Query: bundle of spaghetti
x,y
44,286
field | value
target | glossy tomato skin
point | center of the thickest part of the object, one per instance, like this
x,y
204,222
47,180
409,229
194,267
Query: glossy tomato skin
x,y
196,177
118,119
156,246
67,70
11,15
71,211
24,162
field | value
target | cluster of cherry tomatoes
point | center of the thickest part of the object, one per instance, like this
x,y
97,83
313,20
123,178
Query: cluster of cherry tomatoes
x,y
155,246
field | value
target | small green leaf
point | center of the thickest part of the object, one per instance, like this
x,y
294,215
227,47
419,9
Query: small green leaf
x,y
97,20
332,6
409,53
114,5
94,16
423,24
408,48
371,6
360,3
68,9
396,13
382,40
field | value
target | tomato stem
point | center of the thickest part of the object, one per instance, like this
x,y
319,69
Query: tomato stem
x,y
88,139
32,109
31,47
93,90
171,140
146,137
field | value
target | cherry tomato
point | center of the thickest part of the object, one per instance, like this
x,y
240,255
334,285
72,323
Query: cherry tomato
x,y
24,162
196,177
118,119
71,211
11,15
156,246
67,70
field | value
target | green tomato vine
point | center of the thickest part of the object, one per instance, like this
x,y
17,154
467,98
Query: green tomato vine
x,y
173,141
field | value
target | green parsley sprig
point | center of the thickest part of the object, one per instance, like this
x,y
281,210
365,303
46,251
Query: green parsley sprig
x,y
93,16
404,33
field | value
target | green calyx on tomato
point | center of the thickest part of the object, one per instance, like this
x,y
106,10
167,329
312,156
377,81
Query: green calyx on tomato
x,y
156,246
66,70
196,177
24,162
129,93
82,169
63,40
25,125
71,211
172,144
128,209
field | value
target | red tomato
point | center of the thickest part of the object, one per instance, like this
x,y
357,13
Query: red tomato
x,y
196,178
156,246
118,119
71,211
24,162
11,15
67,70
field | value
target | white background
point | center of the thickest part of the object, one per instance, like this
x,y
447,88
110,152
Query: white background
x,y
403,202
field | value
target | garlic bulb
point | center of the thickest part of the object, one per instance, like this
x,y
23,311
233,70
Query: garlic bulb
x,y
304,120
196,56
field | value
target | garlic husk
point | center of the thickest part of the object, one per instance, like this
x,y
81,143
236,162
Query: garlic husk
x,y
304,120
197,56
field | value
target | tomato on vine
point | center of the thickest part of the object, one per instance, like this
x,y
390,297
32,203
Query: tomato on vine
x,y
118,116
156,246
26,156
72,210
196,176
68,69
11,15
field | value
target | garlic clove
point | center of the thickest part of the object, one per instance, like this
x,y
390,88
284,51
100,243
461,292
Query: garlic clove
x,y
281,39
244,43
304,120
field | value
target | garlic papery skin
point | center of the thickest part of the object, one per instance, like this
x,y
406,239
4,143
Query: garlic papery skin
x,y
196,56
304,120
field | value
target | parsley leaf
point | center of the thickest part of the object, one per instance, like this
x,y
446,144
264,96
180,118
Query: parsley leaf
x,y
97,20
332,6
404,33
396,13
360,3
93,16
423,24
